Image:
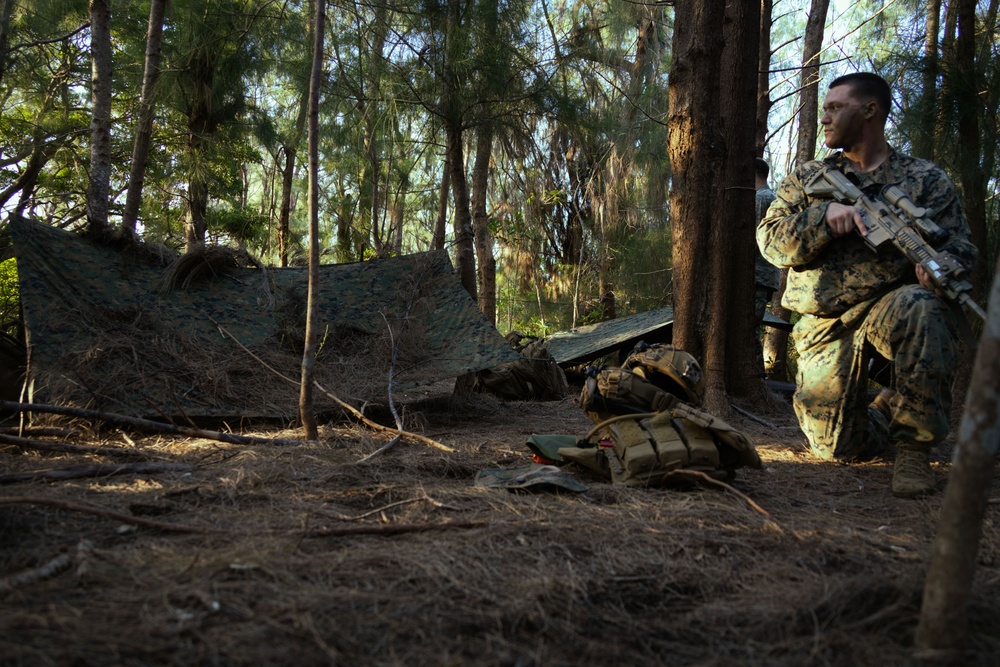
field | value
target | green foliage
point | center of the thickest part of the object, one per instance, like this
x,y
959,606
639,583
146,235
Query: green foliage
x,y
10,297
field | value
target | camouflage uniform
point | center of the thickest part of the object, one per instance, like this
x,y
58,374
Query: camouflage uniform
x,y
766,278
854,301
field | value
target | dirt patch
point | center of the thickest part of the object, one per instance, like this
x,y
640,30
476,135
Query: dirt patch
x,y
296,555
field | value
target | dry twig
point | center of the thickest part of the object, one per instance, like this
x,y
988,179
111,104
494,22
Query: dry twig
x,y
107,470
350,408
66,447
387,529
147,425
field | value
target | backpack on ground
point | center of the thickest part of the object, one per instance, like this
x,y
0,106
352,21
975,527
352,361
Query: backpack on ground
x,y
648,424
535,376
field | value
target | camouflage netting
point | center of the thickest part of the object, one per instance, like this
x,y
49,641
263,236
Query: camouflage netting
x,y
591,341
110,329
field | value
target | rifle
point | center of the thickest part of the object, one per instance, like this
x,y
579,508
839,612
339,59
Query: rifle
x,y
899,221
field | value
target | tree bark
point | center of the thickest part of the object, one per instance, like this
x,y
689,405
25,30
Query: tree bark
x,y
696,158
732,329
441,222
764,102
776,340
144,128
307,413
99,187
942,626
6,9
923,142
465,257
972,179
485,261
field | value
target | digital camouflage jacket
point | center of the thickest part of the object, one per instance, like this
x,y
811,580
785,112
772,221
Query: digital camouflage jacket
x,y
830,276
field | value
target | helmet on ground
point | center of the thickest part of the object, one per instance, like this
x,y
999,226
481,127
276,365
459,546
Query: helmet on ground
x,y
669,368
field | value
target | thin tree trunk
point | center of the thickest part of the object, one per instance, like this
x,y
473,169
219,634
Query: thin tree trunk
x,y
485,261
307,413
441,222
954,552
288,171
764,102
99,187
398,215
776,340
285,212
972,179
923,142
465,258
144,129
6,9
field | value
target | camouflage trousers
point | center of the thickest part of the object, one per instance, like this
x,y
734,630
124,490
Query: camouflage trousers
x,y
913,328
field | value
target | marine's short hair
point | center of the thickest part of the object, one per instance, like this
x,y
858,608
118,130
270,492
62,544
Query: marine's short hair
x,y
760,167
868,84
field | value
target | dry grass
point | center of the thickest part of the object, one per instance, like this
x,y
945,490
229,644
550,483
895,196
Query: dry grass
x,y
484,577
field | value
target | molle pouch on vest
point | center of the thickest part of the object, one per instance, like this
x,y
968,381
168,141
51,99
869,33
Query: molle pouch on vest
x,y
701,445
633,447
671,450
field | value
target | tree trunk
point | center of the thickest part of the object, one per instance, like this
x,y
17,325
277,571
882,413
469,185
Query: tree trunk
x,y
6,9
285,212
776,340
288,175
485,261
398,216
972,179
99,187
764,102
696,158
954,552
441,222
732,327
465,257
923,142
144,129
307,413
201,126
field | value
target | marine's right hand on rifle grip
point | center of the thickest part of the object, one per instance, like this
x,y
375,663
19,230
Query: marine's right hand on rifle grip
x,y
843,220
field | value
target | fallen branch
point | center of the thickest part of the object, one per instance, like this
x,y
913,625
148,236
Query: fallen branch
x,y
730,489
391,528
41,431
750,415
106,470
347,406
68,448
379,510
58,564
107,514
147,425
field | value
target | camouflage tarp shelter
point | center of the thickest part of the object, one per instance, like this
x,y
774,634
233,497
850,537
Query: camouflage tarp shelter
x,y
586,343
104,332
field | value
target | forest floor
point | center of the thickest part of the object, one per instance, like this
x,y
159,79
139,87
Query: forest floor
x,y
298,555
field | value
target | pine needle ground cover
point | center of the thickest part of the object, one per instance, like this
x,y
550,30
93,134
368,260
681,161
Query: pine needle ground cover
x,y
298,554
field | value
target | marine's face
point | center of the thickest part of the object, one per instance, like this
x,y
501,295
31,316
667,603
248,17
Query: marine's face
x,y
843,118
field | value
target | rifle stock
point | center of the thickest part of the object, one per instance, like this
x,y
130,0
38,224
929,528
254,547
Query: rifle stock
x,y
899,221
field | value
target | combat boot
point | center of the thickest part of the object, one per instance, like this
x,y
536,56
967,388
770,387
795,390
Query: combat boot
x,y
912,475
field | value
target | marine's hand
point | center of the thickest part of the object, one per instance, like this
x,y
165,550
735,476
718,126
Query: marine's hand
x,y
924,278
843,220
